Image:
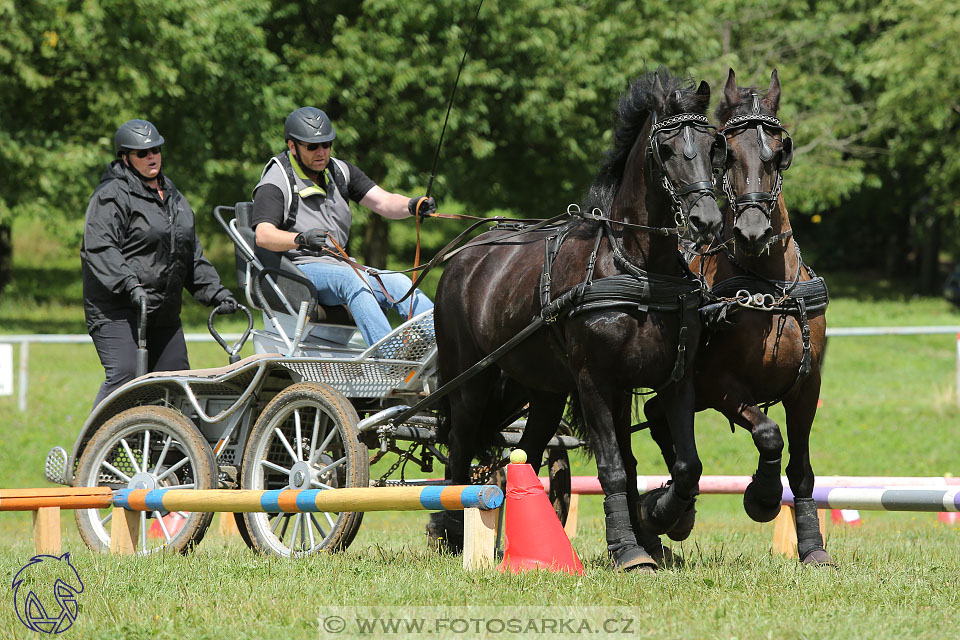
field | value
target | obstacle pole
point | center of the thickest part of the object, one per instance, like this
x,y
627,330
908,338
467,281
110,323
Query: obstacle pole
x,y
480,503
432,498
46,505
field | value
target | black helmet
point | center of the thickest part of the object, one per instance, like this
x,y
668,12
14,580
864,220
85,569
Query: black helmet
x,y
136,134
309,124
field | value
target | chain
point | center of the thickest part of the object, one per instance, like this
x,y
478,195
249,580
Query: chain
x,y
401,458
481,474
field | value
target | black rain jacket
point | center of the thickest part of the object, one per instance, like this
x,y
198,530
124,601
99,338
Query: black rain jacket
x,y
133,237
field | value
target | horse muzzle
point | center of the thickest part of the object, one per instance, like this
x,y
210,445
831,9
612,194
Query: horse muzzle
x,y
705,220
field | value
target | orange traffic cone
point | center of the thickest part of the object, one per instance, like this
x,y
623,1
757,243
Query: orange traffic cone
x,y
173,521
949,517
846,516
535,537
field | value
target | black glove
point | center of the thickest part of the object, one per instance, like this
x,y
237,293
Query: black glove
x,y
136,295
312,240
427,205
227,305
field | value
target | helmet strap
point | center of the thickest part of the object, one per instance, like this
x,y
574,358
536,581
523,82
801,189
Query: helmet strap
x,y
133,169
313,175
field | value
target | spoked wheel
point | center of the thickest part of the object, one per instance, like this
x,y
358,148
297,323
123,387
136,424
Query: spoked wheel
x,y
149,447
306,438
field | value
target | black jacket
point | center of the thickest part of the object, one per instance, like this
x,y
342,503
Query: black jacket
x,y
133,237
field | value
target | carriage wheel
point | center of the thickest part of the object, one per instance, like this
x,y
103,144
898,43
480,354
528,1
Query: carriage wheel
x,y
149,447
306,438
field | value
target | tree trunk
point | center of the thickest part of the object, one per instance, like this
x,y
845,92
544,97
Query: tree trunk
x,y
376,245
930,257
6,256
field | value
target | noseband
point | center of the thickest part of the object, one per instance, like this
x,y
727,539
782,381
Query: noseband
x,y
702,189
762,200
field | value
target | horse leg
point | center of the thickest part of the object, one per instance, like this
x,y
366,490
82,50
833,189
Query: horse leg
x,y
647,539
761,498
671,510
469,413
546,410
599,417
801,409
660,430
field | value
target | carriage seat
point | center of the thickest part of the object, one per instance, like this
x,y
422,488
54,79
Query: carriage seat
x,y
288,279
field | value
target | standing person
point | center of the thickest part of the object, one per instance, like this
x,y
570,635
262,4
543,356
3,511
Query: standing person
x,y
139,243
301,208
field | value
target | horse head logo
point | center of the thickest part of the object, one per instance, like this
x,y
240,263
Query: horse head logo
x,y
36,608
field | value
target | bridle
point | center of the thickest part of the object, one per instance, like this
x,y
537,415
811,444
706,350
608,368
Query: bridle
x,y
762,200
683,123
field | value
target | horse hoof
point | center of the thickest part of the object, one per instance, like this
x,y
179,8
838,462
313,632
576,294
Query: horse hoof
x,y
634,559
441,537
761,510
681,530
818,558
665,557
648,502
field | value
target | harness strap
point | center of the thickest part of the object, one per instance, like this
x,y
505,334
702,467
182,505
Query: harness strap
x,y
493,356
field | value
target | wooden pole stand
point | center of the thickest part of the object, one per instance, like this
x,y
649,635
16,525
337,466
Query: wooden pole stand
x,y
46,531
785,530
479,538
570,526
124,531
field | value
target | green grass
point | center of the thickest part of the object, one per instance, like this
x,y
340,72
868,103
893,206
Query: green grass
x,y
889,408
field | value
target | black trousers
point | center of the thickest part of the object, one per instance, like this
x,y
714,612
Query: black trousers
x,y
116,344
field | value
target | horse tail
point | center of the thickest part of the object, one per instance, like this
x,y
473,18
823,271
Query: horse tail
x,y
573,416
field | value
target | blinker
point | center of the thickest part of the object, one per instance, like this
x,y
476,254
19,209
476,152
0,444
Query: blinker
x,y
689,151
766,153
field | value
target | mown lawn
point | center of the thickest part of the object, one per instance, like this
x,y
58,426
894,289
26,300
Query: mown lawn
x,y
889,408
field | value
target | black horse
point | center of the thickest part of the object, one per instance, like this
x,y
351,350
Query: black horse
x,y
765,330
611,325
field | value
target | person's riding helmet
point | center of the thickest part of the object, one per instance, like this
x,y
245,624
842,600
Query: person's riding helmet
x,y
136,134
308,124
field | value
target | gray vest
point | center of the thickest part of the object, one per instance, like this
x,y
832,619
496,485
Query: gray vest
x,y
307,206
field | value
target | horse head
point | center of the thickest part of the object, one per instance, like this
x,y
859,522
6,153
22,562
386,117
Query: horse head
x,y
759,150
683,149
660,171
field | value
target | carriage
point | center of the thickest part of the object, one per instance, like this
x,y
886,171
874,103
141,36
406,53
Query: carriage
x,y
313,408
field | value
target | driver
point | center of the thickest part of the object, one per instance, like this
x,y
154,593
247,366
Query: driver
x,y
139,243
301,208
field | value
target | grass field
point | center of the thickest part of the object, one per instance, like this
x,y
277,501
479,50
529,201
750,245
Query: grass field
x,y
889,408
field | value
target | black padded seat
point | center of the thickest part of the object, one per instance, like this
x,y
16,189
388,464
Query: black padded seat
x,y
289,279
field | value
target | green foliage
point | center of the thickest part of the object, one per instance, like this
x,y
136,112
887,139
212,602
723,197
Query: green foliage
x,y
869,96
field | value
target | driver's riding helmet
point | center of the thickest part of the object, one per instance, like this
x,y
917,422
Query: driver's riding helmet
x,y
134,135
309,124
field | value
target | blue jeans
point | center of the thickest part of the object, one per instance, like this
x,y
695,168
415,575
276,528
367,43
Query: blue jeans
x,y
339,284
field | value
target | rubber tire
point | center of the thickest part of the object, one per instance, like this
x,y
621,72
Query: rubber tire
x,y
356,473
159,419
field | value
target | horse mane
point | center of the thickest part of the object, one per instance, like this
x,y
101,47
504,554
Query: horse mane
x,y
744,104
633,108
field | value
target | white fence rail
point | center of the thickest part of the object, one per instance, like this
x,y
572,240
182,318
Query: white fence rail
x,y
24,340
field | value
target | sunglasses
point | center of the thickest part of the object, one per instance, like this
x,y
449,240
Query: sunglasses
x,y
313,146
143,153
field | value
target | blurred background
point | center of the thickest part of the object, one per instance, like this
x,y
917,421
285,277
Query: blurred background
x,y
871,95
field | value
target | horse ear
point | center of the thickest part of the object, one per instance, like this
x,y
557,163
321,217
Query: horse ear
x,y
703,89
657,87
730,93
773,92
